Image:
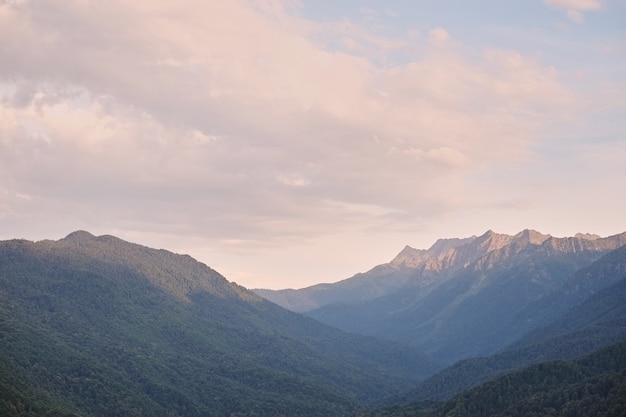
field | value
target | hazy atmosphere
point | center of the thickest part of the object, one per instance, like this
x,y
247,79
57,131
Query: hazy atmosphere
x,y
286,143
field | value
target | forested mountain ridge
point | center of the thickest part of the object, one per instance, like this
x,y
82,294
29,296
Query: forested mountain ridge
x,y
591,385
98,326
598,321
179,275
466,297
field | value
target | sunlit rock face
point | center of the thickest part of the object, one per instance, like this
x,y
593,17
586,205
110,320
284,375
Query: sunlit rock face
x,y
460,297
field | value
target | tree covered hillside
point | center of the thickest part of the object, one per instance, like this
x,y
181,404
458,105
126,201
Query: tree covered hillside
x,y
593,385
598,321
98,326
590,386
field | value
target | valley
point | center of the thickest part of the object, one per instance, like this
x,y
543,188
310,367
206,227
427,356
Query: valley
x,y
97,326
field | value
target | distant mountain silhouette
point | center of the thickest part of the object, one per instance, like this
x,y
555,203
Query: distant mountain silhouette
x,y
462,297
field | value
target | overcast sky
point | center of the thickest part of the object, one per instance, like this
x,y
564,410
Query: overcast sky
x,y
287,143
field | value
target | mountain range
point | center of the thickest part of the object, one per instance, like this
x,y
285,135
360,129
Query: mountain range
x,y
597,322
526,324
99,326
461,297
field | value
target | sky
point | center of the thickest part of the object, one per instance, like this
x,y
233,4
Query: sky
x,y
288,143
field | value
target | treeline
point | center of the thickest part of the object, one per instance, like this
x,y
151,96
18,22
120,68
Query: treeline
x,y
593,385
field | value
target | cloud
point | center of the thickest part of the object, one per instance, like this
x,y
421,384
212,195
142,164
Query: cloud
x,y
438,36
574,8
575,4
576,16
213,120
448,156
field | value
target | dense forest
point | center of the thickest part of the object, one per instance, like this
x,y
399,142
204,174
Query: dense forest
x,y
598,322
95,326
593,385
98,326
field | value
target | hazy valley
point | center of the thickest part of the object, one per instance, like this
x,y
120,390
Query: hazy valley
x,y
487,325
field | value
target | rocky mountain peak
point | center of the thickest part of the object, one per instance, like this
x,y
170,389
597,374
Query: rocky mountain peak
x,y
448,252
529,236
410,257
491,240
586,242
442,246
587,236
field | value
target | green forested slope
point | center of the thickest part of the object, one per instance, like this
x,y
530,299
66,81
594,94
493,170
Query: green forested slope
x,y
97,326
592,385
598,321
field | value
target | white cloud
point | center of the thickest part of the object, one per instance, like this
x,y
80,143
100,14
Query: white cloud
x,y
240,122
438,36
575,4
449,156
574,8
391,13
24,197
576,16
293,180
208,110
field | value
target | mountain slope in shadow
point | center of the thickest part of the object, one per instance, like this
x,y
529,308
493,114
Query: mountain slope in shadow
x,y
598,321
98,326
